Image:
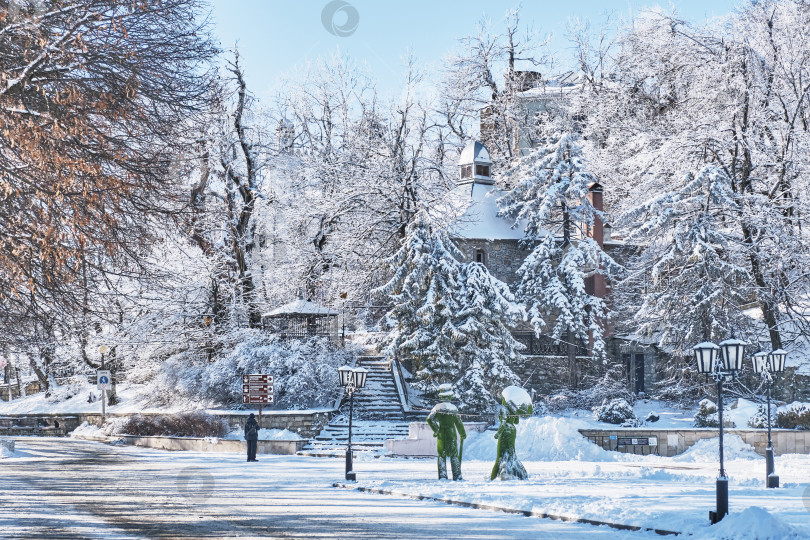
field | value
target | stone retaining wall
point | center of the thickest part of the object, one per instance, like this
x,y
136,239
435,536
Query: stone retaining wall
x,y
214,445
421,442
671,442
306,423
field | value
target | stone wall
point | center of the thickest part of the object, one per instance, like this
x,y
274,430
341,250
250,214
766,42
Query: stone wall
x,y
671,442
306,423
214,445
501,257
547,374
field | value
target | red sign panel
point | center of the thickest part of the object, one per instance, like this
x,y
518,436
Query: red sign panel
x,y
257,379
265,399
257,388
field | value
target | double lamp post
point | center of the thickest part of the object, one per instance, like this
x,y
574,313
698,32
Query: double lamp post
x,y
353,379
727,368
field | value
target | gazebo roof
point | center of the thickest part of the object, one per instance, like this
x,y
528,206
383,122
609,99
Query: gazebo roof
x,y
302,308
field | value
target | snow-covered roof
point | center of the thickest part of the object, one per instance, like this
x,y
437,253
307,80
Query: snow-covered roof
x,y
301,307
475,152
478,214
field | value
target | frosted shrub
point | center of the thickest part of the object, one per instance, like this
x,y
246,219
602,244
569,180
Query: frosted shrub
x,y
706,415
74,386
193,424
304,372
760,418
615,411
794,416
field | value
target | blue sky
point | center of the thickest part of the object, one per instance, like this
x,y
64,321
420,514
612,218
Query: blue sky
x,y
275,36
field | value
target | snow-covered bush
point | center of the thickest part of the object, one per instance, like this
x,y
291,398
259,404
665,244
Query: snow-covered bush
x,y
706,415
760,418
73,387
794,416
304,372
194,424
594,392
615,411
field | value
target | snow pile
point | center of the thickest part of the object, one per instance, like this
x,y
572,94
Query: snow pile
x,y
6,448
266,435
89,431
741,413
708,450
753,523
540,438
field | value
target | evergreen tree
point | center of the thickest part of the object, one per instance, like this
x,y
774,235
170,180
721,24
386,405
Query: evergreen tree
x,y
487,310
551,197
451,319
424,293
695,291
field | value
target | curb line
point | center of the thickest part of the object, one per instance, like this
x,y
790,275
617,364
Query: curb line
x,y
528,513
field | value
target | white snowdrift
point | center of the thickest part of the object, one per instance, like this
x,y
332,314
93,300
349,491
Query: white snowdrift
x,y
753,523
266,435
708,450
541,438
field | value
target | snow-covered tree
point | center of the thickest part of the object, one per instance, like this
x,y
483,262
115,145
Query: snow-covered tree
x,y
450,319
681,97
696,291
483,82
362,164
487,310
551,187
424,291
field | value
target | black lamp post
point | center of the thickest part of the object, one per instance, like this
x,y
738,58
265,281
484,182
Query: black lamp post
x,y
730,363
766,364
352,379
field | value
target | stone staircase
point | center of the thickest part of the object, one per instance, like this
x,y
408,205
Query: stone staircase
x,y
378,415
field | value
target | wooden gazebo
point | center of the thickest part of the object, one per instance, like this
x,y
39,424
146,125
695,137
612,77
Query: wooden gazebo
x,y
301,320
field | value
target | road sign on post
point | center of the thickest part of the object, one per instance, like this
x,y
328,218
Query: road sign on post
x,y
257,390
103,379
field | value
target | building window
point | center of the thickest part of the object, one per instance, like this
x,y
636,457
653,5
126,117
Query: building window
x,y
482,170
466,171
480,256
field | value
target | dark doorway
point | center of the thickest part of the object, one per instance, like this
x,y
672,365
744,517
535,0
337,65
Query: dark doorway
x,y
639,373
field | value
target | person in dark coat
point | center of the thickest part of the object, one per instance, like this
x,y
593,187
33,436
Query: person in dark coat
x,y
252,437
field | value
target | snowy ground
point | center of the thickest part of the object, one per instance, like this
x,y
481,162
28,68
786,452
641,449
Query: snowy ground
x,y
63,488
58,488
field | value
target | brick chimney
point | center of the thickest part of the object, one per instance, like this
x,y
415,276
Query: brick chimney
x,y
595,284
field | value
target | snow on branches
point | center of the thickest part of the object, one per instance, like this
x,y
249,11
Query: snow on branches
x,y
451,319
551,196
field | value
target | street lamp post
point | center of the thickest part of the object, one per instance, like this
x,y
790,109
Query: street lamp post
x,y
729,365
352,379
767,364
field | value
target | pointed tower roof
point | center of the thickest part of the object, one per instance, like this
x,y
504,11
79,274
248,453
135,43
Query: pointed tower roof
x,y
475,152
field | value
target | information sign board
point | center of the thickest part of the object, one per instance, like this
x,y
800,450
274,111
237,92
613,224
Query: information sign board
x,y
257,389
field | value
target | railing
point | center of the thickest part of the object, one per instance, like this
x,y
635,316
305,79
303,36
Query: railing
x,y
545,345
402,386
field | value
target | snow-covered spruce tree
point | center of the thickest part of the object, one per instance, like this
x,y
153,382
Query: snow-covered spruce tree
x,y
424,293
487,310
696,291
450,319
551,195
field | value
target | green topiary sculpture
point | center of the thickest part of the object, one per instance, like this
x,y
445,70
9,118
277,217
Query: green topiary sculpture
x,y
445,423
517,403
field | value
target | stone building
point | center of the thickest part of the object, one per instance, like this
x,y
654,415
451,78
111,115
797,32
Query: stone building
x,y
483,236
